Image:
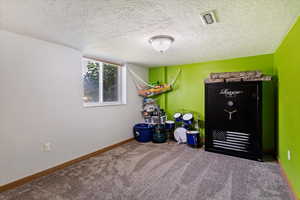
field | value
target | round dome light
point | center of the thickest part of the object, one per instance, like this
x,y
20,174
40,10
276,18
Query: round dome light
x,y
161,42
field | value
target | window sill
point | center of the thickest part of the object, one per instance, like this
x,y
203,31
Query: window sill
x,y
88,105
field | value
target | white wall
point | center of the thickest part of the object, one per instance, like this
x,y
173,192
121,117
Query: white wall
x,y
40,92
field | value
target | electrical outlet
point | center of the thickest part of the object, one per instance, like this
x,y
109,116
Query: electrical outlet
x,y
47,146
289,155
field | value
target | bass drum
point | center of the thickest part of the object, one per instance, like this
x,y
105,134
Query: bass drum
x,y
180,135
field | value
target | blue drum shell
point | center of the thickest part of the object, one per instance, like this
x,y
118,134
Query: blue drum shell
x,y
193,138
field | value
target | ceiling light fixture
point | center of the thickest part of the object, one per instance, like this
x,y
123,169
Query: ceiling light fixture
x,y
161,42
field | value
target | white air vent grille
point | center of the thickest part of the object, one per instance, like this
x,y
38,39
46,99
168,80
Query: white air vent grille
x,y
208,18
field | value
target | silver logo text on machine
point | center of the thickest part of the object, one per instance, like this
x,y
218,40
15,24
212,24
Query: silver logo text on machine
x,y
230,93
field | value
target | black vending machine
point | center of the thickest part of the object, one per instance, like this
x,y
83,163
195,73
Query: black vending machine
x,y
237,115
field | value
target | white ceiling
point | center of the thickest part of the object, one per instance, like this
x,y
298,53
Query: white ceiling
x,y
118,30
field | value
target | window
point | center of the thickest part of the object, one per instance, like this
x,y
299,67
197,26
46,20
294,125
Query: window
x,y
103,83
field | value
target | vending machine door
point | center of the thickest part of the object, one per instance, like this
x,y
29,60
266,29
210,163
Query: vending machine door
x,y
232,118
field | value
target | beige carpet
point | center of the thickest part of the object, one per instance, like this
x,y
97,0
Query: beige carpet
x,y
150,171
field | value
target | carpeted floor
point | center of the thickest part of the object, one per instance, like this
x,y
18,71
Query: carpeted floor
x,y
150,171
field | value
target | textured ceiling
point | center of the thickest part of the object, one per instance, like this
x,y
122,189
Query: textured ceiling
x,y
118,30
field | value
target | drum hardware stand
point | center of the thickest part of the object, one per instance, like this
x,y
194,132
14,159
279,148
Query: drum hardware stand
x,y
168,132
230,113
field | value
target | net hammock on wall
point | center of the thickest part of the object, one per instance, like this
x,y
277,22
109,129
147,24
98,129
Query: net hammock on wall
x,y
152,89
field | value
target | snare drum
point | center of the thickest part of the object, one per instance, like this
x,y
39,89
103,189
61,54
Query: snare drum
x,y
170,125
178,117
188,118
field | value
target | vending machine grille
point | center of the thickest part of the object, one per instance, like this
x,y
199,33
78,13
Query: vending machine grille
x,y
231,140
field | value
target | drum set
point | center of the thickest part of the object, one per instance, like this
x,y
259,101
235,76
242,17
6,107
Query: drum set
x,y
184,129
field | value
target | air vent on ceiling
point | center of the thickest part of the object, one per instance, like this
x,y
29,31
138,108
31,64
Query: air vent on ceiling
x,y
208,18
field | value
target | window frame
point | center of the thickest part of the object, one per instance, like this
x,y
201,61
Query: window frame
x,y
121,84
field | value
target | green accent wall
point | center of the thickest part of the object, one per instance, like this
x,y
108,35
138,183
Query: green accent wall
x,y
189,88
158,74
188,93
287,68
